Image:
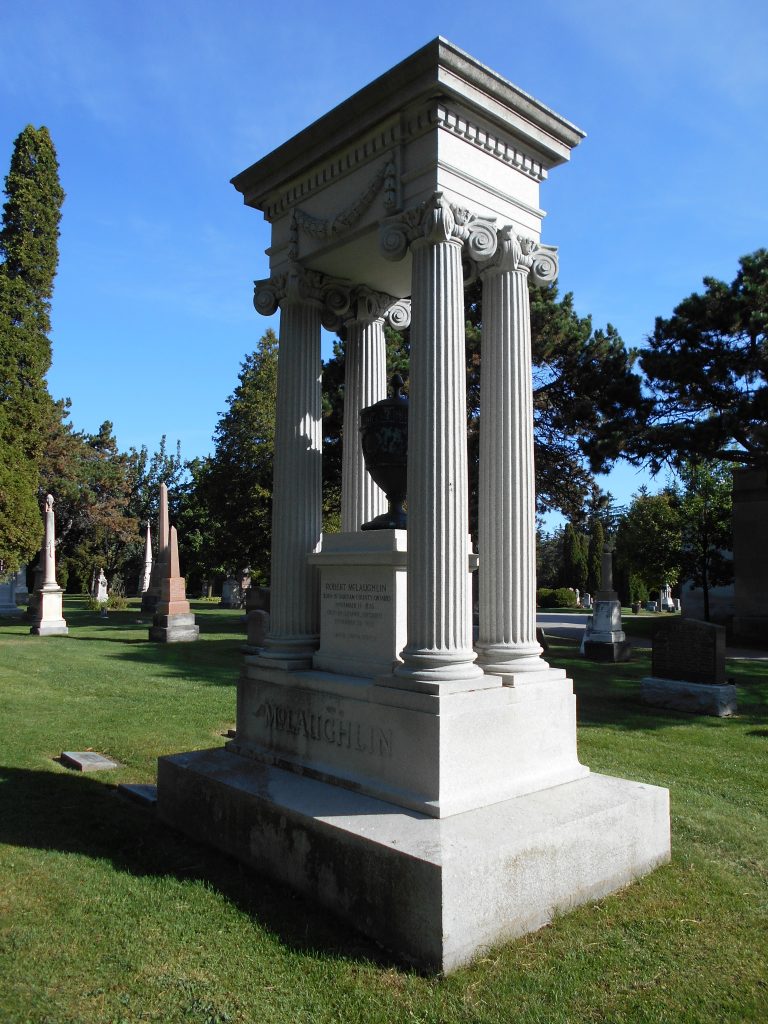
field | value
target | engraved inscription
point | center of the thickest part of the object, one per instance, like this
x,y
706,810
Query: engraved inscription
x,y
327,728
355,610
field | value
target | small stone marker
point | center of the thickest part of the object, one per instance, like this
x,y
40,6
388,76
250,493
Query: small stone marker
x,y
688,666
86,761
139,792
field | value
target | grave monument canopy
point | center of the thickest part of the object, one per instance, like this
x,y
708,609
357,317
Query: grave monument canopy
x,y
438,121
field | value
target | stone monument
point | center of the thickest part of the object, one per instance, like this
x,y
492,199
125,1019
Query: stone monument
x,y
429,793
604,637
101,589
22,594
231,594
8,598
688,666
151,595
173,622
49,615
146,574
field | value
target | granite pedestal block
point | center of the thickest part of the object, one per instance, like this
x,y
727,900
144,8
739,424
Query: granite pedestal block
x,y
717,699
170,629
436,892
611,651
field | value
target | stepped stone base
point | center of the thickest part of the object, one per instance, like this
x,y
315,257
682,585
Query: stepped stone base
x,y
434,891
173,629
53,628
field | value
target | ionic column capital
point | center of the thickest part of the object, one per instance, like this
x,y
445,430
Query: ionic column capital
x,y
366,306
517,253
435,221
297,285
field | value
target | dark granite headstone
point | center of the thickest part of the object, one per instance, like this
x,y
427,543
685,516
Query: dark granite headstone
x,y
689,650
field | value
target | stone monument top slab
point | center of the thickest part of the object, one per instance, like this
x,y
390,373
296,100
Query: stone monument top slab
x,y
438,121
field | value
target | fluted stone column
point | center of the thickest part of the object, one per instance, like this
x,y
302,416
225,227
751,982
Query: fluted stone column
x,y
365,369
507,500
297,479
439,648
48,616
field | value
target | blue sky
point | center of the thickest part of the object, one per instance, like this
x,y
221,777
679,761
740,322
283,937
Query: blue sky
x,y
154,106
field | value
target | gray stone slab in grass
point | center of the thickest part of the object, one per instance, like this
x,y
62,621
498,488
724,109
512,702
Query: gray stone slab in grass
x,y
87,761
139,792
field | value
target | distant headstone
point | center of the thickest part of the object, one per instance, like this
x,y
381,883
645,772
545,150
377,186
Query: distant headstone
x,y
87,761
146,573
257,624
102,590
688,666
231,594
48,614
651,606
586,601
604,638
8,605
173,621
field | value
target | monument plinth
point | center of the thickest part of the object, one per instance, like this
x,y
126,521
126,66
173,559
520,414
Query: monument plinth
x,y
429,793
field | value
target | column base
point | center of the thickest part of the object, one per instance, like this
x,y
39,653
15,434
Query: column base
x,y
508,660
434,892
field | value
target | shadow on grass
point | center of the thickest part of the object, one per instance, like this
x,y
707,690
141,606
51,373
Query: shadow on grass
x,y
75,814
610,694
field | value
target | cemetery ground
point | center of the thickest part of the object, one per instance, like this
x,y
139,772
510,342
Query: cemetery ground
x,y
108,916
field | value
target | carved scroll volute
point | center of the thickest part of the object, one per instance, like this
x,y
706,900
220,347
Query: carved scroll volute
x,y
515,252
437,220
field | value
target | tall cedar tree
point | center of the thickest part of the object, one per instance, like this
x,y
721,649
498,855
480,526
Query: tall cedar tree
x,y
587,399
708,368
574,558
28,259
595,557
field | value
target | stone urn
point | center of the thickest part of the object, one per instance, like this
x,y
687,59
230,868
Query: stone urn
x,y
384,431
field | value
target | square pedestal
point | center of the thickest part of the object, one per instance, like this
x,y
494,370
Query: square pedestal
x,y
435,892
49,614
173,629
363,587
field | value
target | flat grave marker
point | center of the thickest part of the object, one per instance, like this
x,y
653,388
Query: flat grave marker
x,y
87,761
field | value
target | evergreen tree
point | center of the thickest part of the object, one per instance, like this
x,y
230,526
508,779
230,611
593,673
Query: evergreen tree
x,y
595,557
574,558
28,260
708,367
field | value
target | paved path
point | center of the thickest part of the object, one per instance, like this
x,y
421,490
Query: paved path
x,y
571,627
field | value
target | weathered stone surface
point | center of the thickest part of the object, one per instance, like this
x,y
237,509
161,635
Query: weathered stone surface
x,y
695,698
689,650
434,891
87,761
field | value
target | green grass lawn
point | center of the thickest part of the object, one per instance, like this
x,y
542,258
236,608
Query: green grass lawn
x,y
107,916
